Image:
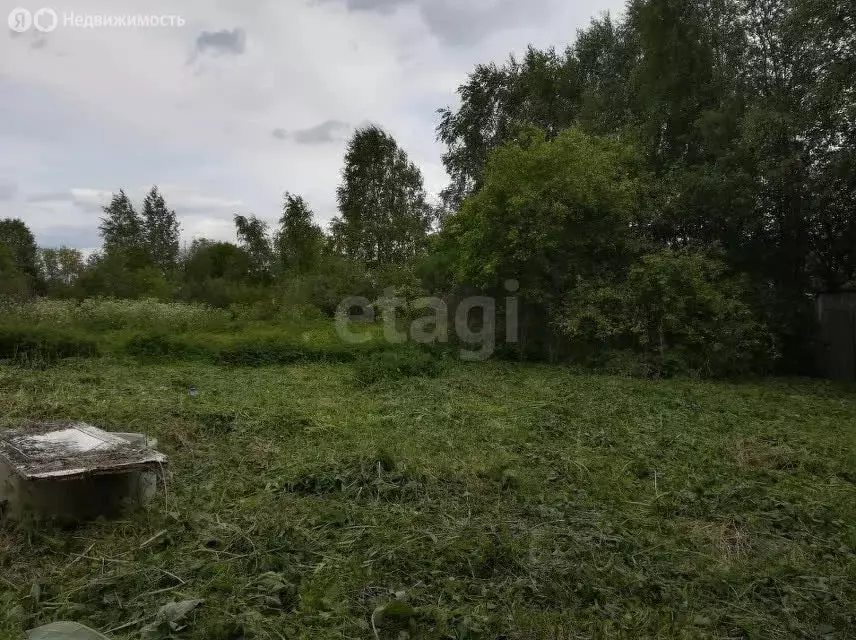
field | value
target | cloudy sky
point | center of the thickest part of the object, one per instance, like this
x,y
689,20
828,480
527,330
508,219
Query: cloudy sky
x,y
247,99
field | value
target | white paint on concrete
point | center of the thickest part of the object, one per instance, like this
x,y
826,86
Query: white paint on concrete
x,y
75,449
74,440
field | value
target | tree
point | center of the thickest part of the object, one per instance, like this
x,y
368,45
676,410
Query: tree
x,y
61,268
549,212
120,275
210,260
542,91
299,241
744,115
21,243
606,55
384,217
161,231
13,281
689,50
122,229
219,274
253,237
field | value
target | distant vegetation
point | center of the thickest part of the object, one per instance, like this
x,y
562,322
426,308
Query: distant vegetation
x,y
670,191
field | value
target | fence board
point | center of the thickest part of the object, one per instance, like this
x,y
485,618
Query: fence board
x,y
837,318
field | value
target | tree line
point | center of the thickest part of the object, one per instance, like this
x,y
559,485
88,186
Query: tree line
x,y
381,232
672,188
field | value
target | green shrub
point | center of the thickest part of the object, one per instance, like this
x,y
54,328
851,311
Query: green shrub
x,y
41,344
396,364
680,311
160,346
259,354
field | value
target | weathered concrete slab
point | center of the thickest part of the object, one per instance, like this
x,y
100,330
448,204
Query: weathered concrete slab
x,y
74,470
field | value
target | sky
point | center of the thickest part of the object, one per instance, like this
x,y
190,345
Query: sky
x,y
245,100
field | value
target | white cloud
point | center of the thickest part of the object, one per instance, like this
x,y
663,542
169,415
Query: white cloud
x,y
195,109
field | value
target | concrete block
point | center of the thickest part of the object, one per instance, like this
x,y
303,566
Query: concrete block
x,y
74,471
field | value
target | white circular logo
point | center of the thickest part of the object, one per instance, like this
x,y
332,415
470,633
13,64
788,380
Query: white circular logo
x,y
20,20
45,20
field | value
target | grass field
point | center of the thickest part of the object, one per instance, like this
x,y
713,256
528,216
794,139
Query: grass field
x,y
493,500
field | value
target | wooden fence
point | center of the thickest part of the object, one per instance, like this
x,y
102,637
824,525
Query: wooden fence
x,y
836,313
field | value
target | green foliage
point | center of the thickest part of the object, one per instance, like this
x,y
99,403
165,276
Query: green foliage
x,y
743,115
43,344
384,217
13,281
216,260
121,274
540,91
220,274
21,247
123,232
61,270
679,311
100,315
278,352
300,241
549,212
253,236
221,293
395,364
164,346
337,278
140,250
161,231
151,330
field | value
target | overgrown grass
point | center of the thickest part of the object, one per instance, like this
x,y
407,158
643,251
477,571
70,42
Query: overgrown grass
x,y
490,501
43,332
44,346
392,364
113,315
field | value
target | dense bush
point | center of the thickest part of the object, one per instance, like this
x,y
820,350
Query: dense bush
x,y
162,346
549,211
257,354
679,311
13,281
117,276
262,352
43,344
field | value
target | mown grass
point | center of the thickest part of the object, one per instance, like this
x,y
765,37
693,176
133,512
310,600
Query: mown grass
x,y
494,500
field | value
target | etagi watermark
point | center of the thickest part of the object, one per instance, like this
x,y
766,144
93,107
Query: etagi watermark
x,y
433,325
46,20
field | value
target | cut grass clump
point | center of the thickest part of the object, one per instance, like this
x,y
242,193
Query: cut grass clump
x,y
362,478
